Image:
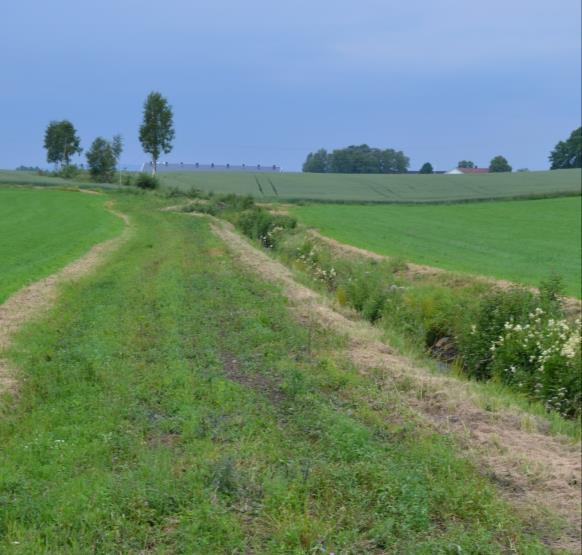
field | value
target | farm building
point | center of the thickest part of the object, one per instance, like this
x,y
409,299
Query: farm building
x,y
464,171
166,167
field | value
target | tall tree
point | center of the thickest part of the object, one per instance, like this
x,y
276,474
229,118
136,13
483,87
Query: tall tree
x,y
568,153
466,164
316,162
499,164
426,168
61,142
157,130
103,156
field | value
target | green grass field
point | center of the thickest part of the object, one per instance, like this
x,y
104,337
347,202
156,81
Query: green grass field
x,y
522,241
41,231
381,188
170,405
11,178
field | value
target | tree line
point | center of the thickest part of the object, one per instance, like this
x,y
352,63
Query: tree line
x,y
357,159
365,159
156,134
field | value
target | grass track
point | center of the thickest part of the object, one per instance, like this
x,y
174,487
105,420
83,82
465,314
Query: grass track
x,y
41,231
522,241
382,188
170,406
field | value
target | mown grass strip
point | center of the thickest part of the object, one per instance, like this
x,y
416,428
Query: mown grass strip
x,y
171,404
41,231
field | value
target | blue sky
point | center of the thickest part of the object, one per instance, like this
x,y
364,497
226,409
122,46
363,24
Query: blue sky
x,y
267,81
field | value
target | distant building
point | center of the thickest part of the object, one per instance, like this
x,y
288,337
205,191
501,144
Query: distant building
x,y
459,171
414,172
166,167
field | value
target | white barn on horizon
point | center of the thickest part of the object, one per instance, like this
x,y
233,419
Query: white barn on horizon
x,y
166,167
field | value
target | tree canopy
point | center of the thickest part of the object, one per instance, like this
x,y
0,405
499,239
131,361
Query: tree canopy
x,y
357,159
317,162
499,164
426,168
103,156
61,142
157,130
466,164
568,153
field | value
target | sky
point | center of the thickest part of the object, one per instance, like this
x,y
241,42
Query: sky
x,y
267,81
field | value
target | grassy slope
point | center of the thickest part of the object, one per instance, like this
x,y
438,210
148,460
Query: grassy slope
x,y
170,405
382,188
11,178
521,241
41,231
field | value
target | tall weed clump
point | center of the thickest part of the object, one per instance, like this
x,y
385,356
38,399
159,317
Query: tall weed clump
x,y
268,228
146,181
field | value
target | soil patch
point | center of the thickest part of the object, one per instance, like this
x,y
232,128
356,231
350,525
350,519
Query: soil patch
x,y
258,382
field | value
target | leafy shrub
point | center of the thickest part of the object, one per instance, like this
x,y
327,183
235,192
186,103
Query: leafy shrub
x,y
68,171
435,311
147,181
257,223
542,359
480,329
374,306
551,289
236,202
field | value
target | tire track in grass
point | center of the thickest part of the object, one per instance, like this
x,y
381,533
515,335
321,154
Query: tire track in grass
x,y
537,473
380,192
259,186
34,299
273,186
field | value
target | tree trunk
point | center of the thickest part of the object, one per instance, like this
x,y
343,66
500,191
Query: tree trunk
x,y
154,166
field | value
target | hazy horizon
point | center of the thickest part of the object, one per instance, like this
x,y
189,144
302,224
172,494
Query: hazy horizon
x,y
267,83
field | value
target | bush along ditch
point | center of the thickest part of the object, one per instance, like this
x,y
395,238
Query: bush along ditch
x,y
515,337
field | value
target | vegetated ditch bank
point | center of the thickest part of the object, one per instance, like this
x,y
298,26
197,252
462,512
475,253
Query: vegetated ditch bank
x,y
519,241
534,470
172,404
515,337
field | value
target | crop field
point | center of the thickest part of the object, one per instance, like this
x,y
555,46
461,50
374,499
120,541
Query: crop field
x,y
41,231
396,188
522,241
